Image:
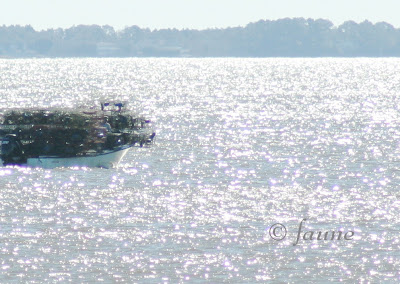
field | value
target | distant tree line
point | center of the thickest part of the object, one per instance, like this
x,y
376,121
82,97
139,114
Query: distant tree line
x,y
297,37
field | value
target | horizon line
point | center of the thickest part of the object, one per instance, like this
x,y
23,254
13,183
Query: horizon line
x,y
194,29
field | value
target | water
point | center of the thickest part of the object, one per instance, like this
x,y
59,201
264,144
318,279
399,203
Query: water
x,y
242,144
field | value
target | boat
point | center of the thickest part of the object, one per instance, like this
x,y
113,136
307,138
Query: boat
x,y
51,138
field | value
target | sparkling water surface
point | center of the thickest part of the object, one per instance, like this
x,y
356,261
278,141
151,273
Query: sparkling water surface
x,y
241,144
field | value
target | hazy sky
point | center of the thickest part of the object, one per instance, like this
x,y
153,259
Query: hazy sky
x,y
199,14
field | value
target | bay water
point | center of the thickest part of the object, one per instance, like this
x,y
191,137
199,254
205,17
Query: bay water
x,y
241,145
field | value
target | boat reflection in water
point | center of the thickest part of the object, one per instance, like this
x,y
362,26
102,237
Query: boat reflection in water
x,y
65,138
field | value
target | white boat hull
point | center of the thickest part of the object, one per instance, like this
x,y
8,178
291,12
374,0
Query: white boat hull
x,y
107,159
